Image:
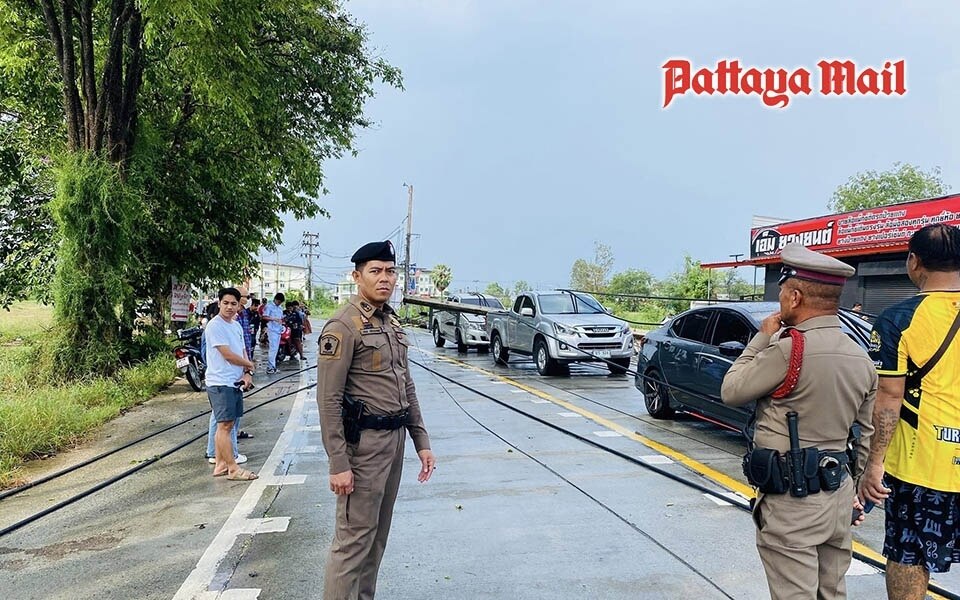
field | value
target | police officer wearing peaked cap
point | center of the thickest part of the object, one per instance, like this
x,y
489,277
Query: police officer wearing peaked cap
x,y
362,358
801,361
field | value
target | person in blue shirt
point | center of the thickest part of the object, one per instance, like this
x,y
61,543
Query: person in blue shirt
x,y
273,316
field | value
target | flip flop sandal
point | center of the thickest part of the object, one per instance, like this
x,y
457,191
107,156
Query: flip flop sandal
x,y
243,435
220,474
242,475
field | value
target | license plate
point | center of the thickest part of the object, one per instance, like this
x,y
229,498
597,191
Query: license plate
x,y
183,363
602,353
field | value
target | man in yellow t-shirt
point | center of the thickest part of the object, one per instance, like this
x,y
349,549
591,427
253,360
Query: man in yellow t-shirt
x,y
914,461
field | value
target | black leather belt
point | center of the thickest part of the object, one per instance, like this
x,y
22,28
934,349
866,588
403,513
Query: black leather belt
x,y
384,421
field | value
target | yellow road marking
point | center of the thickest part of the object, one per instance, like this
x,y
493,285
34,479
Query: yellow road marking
x,y
693,464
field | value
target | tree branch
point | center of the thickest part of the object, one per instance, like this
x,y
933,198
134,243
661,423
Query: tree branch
x,y
70,72
132,80
56,36
87,71
111,86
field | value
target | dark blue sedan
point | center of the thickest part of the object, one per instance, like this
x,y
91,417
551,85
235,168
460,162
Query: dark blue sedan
x,y
681,365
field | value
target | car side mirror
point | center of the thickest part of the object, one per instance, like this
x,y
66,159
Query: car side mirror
x,y
526,311
732,349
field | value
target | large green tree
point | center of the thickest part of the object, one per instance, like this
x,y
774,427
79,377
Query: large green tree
x,y
591,276
632,282
209,119
692,283
902,182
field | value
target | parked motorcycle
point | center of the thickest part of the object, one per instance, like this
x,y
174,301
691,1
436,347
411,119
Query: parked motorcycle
x,y
189,358
286,349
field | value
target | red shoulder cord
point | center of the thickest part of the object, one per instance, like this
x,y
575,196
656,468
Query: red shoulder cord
x,y
793,369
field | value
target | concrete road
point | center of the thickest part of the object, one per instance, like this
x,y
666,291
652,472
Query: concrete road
x,y
515,509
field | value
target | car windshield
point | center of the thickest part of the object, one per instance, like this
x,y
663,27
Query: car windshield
x,y
568,303
481,301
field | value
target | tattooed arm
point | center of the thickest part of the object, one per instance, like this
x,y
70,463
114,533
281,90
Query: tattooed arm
x,y
886,415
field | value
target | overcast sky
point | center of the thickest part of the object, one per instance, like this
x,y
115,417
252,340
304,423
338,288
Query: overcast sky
x,y
531,129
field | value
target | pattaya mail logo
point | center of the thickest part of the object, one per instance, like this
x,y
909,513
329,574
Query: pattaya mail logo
x,y
777,86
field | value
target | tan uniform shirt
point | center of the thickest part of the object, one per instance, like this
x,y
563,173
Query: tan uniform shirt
x,y
363,352
837,386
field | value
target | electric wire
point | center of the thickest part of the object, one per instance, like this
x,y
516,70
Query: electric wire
x,y
104,484
593,498
932,587
90,461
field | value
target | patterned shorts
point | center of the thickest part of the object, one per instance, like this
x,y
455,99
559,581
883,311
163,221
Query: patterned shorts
x,y
922,526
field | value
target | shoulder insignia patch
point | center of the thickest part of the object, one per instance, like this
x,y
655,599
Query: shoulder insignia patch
x,y
330,346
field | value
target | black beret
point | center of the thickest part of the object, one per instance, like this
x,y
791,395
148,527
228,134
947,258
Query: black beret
x,y
374,251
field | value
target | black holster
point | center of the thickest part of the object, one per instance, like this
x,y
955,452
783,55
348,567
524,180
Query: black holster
x,y
351,411
764,469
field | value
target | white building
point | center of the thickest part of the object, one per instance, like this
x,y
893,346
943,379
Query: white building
x,y
424,287
271,278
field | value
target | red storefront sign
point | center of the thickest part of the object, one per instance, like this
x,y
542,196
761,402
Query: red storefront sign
x,y
884,229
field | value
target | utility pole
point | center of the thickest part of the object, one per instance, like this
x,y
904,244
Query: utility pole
x,y
310,240
276,272
406,254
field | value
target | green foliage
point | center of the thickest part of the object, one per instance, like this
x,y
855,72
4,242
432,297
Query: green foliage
x,y
520,287
95,215
441,276
496,290
901,183
592,276
634,282
692,282
38,420
238,105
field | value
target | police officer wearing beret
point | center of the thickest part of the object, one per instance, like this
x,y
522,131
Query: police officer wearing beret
x,y
364,384
802,362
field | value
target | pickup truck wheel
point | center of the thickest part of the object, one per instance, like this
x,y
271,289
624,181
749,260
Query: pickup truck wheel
x,y
500,353
438,340
541,356
618,366
461,346
656,398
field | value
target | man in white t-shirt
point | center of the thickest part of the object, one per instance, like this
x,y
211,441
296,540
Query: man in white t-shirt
x,y
227,365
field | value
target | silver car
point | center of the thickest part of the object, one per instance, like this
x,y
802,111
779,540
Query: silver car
x,y
465,329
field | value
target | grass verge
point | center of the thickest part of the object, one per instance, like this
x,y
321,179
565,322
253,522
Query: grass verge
x,y
39,420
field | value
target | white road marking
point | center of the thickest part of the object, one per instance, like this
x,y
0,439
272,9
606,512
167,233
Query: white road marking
x,y
570,415
536,400
858,568
518,391
607,433
657,459
197,585
716,500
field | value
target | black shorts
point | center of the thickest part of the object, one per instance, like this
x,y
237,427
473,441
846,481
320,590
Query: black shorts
x,y
922,526
296,335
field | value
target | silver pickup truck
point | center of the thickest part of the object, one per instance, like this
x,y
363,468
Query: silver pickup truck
x,y
465,329
577,320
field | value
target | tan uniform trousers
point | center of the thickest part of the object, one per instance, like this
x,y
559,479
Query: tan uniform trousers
x,y
363,517
804,543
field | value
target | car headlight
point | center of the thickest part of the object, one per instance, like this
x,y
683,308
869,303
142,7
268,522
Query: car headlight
x,y
475,326
564,330
626,330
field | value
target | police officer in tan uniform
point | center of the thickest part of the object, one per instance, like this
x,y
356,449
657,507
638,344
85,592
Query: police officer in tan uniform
x,y
363,358
802,362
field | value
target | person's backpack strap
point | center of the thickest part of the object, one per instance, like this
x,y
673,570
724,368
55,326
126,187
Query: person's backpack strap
x,y
941,350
